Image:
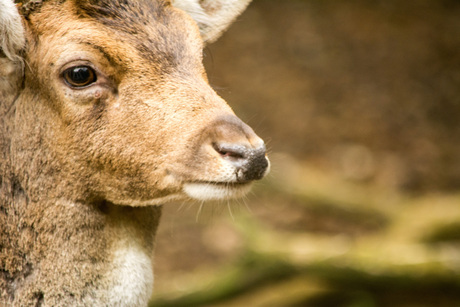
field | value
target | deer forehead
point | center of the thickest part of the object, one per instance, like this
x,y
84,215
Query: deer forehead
x,y
152,36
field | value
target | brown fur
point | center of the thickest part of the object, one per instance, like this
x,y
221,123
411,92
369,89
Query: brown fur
x,y
70,158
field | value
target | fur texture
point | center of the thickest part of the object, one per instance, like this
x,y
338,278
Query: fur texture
x,y
84,168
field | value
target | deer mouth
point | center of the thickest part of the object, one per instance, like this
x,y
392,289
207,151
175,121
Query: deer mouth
x,y
210,190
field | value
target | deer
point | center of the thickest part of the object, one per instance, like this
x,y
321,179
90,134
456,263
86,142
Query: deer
x,y
106,115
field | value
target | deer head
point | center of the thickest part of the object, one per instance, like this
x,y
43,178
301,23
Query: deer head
x,y
115,99
106,112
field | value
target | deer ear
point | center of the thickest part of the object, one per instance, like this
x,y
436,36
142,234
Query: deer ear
x,y
12,41
213,16
12,38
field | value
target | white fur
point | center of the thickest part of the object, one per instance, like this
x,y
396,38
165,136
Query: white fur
x,y
131,278
12,38
224,185
210,191
212,22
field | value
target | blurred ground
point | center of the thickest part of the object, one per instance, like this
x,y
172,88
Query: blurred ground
x,y
360,104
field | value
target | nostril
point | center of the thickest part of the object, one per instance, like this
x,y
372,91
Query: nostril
x,y
250,163
230,151
231,154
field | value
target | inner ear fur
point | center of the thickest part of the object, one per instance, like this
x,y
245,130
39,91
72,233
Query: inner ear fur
x,y
12,41
212,16
12,38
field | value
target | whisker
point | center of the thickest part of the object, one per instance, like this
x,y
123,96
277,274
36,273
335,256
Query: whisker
x,y
199,211
181,206
244,200
230,210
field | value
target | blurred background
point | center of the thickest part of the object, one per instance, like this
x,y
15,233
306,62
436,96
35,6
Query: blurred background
x,y
359,102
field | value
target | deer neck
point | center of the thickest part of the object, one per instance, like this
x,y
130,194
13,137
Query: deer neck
x,y
96,252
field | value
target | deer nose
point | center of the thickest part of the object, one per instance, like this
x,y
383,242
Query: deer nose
x,y
250,163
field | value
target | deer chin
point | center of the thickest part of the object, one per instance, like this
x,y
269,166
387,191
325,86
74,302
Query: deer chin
x,y
149,202
216,190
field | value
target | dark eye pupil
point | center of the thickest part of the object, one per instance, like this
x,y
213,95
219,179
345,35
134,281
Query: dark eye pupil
x,y
80,76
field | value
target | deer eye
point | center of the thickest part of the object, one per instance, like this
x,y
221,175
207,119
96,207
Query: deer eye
x,y
79,76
